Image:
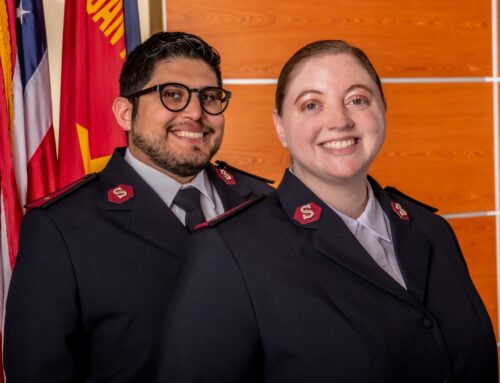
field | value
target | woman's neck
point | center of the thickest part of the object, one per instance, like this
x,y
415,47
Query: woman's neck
x,y
347,196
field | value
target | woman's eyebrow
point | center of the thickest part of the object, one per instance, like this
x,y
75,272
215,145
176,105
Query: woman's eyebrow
x,y
301,94
362,86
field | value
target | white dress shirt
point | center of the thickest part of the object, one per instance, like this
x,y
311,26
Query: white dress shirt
x,y
373,231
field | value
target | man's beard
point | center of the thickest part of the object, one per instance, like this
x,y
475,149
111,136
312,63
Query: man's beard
x,y
183,165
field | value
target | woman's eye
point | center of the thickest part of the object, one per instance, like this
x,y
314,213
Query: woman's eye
x,y
310,106
358,101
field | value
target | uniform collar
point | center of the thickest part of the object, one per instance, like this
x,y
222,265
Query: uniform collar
x,y
323,228
373,218
166,187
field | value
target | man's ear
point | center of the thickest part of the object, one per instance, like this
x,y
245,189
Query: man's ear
x,y
280,130
122,109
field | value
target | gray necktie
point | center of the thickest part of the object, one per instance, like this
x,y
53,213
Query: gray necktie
x,y
188,199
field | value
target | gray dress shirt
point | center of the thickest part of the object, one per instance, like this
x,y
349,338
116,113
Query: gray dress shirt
x,y
167,188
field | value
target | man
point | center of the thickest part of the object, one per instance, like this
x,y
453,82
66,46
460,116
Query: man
x,y
97,261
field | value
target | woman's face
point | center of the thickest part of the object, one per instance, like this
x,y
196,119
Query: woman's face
x,y
333,120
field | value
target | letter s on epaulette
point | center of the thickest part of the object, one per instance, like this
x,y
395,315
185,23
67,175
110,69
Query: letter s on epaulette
x,y
254,199
225,165
393,190
50,199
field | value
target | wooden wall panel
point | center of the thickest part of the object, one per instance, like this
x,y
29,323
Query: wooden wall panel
x,y
249,138
404,38
439,145
477,240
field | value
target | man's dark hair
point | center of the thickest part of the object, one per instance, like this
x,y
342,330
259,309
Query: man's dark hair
x,y
163,46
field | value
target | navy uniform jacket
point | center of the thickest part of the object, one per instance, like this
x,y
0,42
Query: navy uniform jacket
x,y
287,294
87,294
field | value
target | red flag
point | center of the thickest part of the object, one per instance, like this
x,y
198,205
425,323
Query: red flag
x,y
94,49
11,211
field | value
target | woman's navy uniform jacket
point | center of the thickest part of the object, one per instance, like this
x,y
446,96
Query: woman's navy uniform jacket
x,y
92,276
285,293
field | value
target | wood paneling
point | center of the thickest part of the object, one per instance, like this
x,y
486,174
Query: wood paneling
x,y
477,240
249,138
403,38
439,145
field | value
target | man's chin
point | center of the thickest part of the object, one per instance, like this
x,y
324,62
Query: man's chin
x,y
186,167
187,170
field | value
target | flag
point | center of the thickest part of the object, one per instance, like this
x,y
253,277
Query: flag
x,y
97,36
27,145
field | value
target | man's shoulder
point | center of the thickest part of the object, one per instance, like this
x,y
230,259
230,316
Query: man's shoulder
x,y
66,193
234,176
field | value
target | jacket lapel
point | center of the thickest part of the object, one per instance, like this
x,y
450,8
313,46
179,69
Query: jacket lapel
x,y
230,191
143,213
413,249
331,238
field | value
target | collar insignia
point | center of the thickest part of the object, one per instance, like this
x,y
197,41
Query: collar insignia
x,y
120,193
226,176
307,213
398,209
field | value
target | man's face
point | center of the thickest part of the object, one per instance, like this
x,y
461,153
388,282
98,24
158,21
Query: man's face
x,y
179,144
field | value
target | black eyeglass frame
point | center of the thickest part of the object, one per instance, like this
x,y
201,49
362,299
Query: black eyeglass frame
x,y
159,88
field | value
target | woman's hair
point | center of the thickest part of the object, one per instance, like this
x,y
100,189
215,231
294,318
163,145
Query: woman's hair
x,y
320,48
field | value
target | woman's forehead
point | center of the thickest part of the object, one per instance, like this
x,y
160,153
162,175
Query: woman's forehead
x,y
327,69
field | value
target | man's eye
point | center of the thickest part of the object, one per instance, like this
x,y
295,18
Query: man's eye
x,y
209,97
172,94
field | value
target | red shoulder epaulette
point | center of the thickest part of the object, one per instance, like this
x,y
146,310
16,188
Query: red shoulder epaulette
x,y
393,190
225,165
231,212
51,198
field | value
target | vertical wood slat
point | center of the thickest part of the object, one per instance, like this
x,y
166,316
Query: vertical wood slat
x,y
477,240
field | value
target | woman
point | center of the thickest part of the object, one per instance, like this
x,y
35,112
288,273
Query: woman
x,y
332,278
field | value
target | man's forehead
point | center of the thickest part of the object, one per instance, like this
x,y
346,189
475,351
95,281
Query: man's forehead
x,y
183,67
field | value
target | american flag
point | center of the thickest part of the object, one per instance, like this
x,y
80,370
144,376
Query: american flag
x,y
27,144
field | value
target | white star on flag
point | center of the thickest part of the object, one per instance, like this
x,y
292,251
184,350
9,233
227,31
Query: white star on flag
x,y
20,12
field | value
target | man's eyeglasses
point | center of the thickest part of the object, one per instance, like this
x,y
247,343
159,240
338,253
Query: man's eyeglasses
x,y
176,97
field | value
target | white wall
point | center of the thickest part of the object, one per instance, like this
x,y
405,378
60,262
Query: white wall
x,y
54,18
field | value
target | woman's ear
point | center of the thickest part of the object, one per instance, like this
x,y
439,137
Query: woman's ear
x,y
122,109
280,130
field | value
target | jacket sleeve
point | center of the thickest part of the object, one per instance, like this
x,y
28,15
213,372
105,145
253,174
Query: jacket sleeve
x,y
43,323
210,334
